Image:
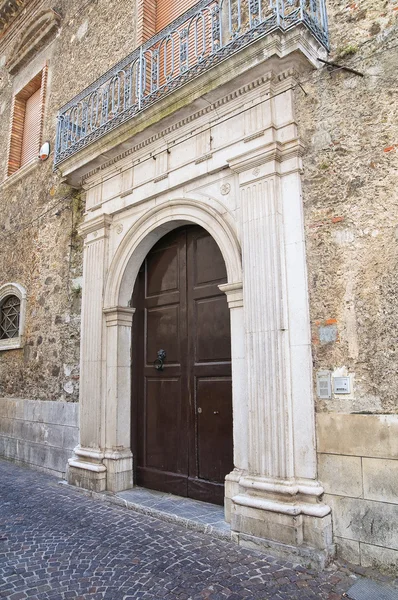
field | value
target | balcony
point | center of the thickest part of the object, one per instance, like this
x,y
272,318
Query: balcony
x,y
207,34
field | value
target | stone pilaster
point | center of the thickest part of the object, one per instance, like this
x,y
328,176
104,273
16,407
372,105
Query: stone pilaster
x,y
86,468
234,293
118,457
274,498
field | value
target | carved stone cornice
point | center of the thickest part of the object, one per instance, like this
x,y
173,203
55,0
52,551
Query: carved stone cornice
x,y
247,65
163,133
35,36
274,152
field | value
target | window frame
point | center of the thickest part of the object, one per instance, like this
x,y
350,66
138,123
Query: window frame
x,y
16,133
14,289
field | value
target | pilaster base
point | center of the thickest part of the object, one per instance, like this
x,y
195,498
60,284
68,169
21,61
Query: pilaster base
x,y
82,475
286,518
119,471
101,471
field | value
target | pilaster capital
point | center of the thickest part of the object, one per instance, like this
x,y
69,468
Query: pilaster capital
x,y
96,228
271,159
119,316
234,292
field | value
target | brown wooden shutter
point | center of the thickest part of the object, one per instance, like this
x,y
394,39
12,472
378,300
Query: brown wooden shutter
x,y
31,129
18,116
154,15
146,20
27,122
168,10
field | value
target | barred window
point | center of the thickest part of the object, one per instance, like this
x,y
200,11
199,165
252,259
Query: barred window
x,y
12,316
10,311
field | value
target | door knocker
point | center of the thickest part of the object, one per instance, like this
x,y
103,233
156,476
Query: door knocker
x,y
158,363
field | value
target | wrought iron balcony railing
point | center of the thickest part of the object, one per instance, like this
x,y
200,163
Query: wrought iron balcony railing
x,y
203,36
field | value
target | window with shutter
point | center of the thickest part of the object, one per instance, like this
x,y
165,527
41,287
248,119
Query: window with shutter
x,y
27,123
168,10
155,15
31,128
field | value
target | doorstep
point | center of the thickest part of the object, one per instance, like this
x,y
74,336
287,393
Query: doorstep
x,y
192,514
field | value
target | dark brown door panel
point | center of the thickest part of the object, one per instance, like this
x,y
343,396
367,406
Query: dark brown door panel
x,y
182,411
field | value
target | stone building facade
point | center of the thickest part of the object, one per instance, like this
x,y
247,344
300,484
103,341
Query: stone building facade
x,y
289,164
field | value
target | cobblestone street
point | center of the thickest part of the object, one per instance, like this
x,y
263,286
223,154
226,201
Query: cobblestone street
x,y
59,543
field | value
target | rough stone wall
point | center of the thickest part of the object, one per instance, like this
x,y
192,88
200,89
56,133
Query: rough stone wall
x,y
349,125
39,246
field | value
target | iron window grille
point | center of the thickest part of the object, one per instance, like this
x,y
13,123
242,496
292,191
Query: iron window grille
x,y
10,311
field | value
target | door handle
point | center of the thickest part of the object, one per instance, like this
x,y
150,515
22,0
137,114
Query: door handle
x,y
159,362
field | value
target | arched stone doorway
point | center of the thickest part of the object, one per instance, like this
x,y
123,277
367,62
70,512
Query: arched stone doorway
x,y
272,491
104,460
181,368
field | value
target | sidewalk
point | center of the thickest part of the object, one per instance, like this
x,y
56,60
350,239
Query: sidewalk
x,y
57,543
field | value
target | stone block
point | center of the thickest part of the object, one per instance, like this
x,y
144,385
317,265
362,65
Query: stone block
x,y
365,520
348,550
268,525
88,480
380,479
375,557
227,509
70,438
41,433
358,435
48,458
318,531
119,474
35,432
62,413
340,475
8,408
309,557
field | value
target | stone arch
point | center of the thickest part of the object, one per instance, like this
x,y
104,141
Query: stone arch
x,y
155,224
118,316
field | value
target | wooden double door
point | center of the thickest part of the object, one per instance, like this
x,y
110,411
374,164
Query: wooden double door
x,y
182,409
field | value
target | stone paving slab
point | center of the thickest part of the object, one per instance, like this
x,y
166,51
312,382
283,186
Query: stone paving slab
x,y
365,589
56,543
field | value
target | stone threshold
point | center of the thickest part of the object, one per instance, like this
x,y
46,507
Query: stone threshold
x,y
191,514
